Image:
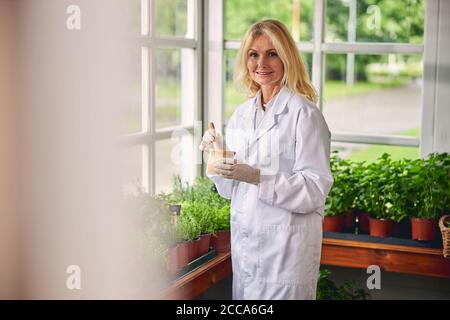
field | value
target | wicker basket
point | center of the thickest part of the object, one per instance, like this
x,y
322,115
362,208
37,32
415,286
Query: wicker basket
x,y
445,235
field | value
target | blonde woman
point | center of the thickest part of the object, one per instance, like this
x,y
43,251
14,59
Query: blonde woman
x,y
281,175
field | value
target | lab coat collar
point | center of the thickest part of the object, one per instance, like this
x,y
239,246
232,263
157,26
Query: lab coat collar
x,y
271,118
280,100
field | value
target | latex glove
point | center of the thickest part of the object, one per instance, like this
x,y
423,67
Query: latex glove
x,y
239,171
211,139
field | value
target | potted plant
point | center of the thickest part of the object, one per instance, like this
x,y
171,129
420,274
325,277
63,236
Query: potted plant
x,y
341,196
380,194
359,205
189,231
430,181
221,238
201,213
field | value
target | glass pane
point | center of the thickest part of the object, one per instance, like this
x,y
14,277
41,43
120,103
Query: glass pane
x,y
374,21
131,166
174,157
133,112
381,96
307,60
232,97
174,87
172,18
297,15
370,153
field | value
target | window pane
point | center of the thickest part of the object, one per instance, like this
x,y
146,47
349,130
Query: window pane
x,y
175,87
297,15
172,18
374,21
174,157
232,97
307,60
384,98
370,153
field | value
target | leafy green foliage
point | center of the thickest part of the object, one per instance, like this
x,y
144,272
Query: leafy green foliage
x,y
327,289
202,204
380,189
187,228
343,192
392,189
427,186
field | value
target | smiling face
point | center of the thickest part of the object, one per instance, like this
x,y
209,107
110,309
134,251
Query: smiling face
x,y
263,63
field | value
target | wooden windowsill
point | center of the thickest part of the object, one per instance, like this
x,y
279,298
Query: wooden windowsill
x,y
336,252
392,258
199,280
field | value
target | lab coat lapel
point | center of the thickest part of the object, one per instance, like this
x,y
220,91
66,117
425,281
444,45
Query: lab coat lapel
x,y
271,118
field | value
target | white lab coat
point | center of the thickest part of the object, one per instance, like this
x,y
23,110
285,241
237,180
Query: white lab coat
x,y
276,227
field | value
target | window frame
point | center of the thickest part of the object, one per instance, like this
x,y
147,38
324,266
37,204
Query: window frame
x,y
209,48
149,42
319,48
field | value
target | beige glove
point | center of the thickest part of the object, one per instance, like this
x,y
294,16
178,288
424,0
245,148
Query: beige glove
x,y
239,171
211,139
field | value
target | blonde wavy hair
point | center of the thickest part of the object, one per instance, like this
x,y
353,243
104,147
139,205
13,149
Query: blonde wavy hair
x,y
295,76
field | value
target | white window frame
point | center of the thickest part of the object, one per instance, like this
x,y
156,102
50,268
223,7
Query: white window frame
x,y
209,46
319,48
150,42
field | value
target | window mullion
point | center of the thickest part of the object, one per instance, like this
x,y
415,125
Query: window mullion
x,y
317,67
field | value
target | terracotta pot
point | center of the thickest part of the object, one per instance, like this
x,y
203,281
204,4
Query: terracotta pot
x,y
423,229
333,224
173,265
221,241
349,220
363,222
203,246
380,228
193,249
183,254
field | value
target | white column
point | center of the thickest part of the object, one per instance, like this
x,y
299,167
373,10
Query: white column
x,y
214,84
317,68
435,133
351,32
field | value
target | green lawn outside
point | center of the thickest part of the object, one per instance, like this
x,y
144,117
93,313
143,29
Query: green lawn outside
x,y
338,89
371,153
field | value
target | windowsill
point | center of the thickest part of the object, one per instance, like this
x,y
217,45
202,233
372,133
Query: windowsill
x,y
199,280
425,261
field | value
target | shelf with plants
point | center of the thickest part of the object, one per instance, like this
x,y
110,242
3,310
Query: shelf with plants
x,y
201,224
390,206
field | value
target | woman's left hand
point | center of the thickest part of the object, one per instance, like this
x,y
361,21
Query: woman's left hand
x,y
238,171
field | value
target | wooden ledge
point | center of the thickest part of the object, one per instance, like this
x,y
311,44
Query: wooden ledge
x,y
336,252
381,246
199,280
392,258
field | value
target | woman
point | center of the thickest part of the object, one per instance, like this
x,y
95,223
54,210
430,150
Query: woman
x,y
282,176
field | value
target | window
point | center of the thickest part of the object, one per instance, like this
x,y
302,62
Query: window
x,y
363,56
365,59
165,97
